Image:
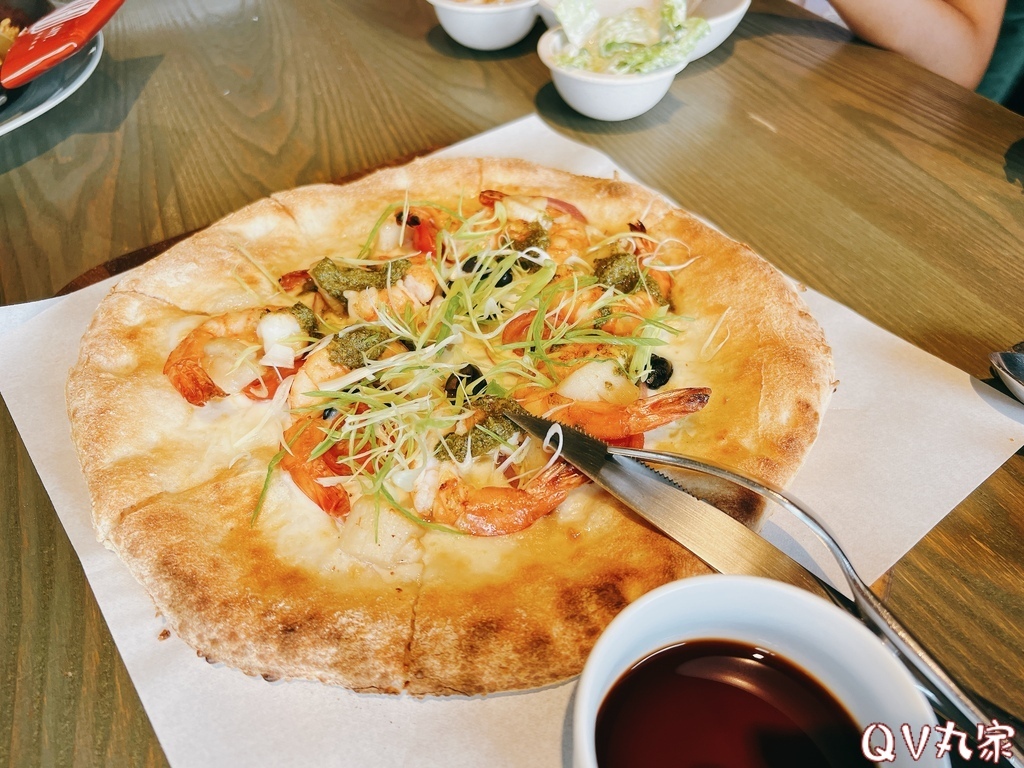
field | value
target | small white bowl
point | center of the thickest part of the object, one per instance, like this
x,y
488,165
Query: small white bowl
x,y
722,16
546,10
830,645
600,95
486,26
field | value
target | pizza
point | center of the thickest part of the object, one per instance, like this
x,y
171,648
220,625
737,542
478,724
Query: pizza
x,y
293,425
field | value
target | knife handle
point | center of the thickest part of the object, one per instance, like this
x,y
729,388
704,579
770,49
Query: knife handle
x,y
947,698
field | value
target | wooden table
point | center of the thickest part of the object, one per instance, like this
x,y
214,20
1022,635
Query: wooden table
x,y
883,186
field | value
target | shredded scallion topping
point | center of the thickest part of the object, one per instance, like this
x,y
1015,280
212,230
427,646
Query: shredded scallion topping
x,y
518,311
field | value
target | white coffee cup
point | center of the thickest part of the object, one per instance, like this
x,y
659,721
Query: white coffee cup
x,y
827,643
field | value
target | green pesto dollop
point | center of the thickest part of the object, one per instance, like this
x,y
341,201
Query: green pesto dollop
x,y
479,439
334,280
535,236
654,290
621,271
354,348
618,270
306,318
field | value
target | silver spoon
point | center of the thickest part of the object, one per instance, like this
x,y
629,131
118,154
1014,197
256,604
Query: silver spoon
x,y
1010,367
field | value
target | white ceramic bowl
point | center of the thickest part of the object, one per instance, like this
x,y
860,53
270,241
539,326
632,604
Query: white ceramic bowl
x,y
600,95
829,644
486,26
722,16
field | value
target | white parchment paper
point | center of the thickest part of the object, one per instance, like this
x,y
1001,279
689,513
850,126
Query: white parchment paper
x,y
884,471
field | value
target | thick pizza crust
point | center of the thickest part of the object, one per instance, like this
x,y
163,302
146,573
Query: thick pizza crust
x,y
379,604
770,380
136,436
228,592
478,629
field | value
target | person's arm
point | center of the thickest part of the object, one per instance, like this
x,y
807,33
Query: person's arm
x,y
953,38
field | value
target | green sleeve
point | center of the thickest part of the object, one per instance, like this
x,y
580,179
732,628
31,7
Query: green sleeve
x,y
1007,65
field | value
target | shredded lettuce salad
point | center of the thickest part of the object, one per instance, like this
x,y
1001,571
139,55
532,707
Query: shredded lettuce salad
x,y
633,42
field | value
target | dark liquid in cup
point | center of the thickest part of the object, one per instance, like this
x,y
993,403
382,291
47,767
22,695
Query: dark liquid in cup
x,y
724,704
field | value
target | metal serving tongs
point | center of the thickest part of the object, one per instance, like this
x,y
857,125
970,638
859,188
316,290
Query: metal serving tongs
x,y
620,471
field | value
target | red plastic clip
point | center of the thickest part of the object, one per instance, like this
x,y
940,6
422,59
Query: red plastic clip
x,y
53,38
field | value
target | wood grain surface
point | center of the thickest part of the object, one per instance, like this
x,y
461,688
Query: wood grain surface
x,y
883,186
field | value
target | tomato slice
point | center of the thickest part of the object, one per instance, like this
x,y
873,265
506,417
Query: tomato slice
x,y
299,279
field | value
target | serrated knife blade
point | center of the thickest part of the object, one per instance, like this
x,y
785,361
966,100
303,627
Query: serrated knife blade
x,y
723,543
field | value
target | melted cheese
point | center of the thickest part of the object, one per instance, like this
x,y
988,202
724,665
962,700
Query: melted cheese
x,y
307,537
